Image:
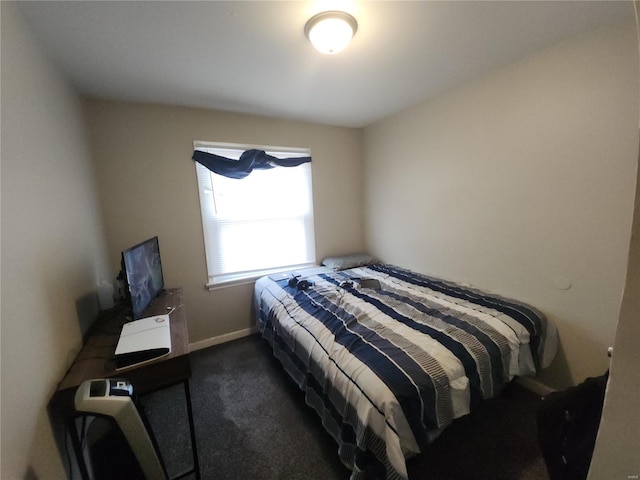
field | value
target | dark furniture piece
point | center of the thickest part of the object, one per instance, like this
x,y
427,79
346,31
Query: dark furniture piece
x,y
96,360
568,424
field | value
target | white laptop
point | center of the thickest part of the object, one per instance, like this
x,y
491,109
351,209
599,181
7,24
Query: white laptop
x,y
142,341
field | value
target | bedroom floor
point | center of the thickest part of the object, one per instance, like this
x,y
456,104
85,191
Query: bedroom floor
x,y
252,423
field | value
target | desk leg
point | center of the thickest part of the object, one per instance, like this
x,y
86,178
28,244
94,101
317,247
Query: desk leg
x,y
194,448
72,427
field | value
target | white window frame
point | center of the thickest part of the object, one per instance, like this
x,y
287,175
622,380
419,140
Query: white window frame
x,y
210,220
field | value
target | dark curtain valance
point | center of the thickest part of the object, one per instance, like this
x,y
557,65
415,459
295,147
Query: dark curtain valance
x,y
249,160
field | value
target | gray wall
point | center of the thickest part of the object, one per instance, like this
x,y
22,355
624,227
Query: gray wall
x,y
148,186
518,181
618,441
53,254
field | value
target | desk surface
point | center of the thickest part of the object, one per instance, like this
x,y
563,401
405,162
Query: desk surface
x,y
96,359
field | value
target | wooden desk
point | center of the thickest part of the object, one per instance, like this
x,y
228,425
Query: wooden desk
x,y
96,360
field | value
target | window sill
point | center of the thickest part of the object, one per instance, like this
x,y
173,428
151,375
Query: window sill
x,y
231,283
251,278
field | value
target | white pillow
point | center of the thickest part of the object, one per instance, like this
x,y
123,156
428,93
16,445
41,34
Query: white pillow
x,y
342,262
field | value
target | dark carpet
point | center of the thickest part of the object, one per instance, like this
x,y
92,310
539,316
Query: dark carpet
x,y
252,423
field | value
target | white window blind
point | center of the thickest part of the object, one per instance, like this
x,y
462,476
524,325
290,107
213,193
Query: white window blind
x,y
259,224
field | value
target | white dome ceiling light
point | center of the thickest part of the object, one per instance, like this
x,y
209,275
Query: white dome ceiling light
x,y
331,32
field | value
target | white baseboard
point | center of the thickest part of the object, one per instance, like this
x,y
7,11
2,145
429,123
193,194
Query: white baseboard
x,y
227,337
535,386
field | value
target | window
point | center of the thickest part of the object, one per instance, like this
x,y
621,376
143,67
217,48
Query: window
x,y
259,224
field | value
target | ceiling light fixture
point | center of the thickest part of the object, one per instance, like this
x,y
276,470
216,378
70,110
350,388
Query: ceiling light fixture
x,y
330,32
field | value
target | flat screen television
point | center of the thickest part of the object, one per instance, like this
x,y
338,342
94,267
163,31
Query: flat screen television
x,y
142,271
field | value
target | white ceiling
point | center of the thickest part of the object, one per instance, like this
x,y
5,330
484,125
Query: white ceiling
x,y
253,57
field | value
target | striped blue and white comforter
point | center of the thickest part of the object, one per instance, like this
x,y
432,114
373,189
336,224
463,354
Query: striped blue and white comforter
x,y
388,368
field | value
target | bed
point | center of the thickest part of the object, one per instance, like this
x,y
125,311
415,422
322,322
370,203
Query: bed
x,y
389,357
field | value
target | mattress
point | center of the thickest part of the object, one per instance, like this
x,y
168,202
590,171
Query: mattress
x,y
389,357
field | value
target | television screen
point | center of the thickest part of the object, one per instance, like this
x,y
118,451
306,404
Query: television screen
x,y
142,270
